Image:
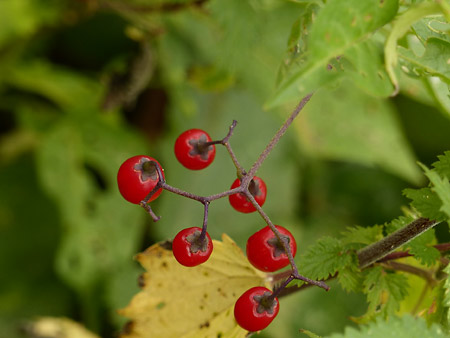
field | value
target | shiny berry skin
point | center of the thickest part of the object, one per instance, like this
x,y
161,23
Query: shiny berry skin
x,y
189,250
191,151
136,177
266,253
253,310
257,188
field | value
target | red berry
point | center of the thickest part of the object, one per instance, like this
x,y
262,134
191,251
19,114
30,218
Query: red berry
x,y
254,310
239,201
137,176
266,253
189,249
191,151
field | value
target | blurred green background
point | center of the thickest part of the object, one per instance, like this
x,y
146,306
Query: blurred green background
x,y
86,84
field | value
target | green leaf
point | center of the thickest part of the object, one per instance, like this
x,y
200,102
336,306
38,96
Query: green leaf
x,y
350,279
427,202
347,125
400,28
100,232
433,62
335,31
404,327
326,257
362,235
442,167
441,186
446,299
440,92
422,249
70,90
297,41
435,26
385,291
250,39
22,18
367,69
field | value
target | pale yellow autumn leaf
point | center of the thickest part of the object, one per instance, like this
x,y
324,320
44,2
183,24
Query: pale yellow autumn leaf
x,y
55,327
177,301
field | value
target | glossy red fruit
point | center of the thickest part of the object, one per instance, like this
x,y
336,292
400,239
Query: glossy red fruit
x,y
137,176
191,151
253,310
239,201
266,253
189,250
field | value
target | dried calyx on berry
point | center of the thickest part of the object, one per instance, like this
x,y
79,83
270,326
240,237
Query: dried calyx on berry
x,y
256,308
240,202
265,251
137,177
191,248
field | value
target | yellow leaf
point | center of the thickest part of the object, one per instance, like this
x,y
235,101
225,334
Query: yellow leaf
x,y
53,327
178,301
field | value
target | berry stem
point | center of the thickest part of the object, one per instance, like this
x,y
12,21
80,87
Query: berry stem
x,y
205,222
283,285
246,178
277,136
294,273
240,171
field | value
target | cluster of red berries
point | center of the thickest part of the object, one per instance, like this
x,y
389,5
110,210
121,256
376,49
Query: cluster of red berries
x,y
194,149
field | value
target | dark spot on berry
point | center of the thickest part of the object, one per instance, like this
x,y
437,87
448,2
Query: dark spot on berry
x,y
201,307
219,335
206,273
164,265
205,295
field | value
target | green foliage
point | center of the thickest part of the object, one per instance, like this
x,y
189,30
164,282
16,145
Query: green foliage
x,y
83,85
400,27
406,326
337,31
422,249
327,257
434,201
356,127
361,235
446,297
385,291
